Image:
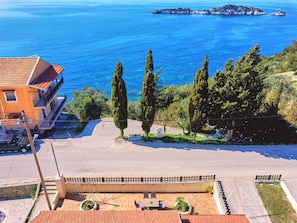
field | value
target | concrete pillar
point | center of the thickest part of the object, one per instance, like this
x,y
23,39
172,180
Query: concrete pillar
x,y
60,184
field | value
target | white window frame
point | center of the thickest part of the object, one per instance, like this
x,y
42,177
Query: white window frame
x,y
9,100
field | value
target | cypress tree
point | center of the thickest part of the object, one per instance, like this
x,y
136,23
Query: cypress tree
x,y
199,99
148,95
119,99
149,64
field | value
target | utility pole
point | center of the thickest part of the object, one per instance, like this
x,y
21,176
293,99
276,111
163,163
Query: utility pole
x,y
35,157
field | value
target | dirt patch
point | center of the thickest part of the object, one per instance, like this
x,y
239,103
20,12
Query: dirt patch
x,y
202,203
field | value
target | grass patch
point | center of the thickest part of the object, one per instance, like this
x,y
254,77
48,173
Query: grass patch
x,y
276,203
172,138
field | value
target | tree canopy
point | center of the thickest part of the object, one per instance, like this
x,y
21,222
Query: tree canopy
x,y
88,104
244,98
237,92
148,95
198,102
119,99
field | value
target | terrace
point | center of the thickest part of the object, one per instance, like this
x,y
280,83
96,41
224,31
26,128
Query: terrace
x,y
202,203
119,193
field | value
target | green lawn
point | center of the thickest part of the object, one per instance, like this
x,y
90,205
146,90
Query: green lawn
x,y
276,203
172,138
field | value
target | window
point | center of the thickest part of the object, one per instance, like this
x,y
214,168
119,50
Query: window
x,y
10,95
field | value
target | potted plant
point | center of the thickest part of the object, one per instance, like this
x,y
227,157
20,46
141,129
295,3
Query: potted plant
x,y
33,194
88,205
183,206
210,189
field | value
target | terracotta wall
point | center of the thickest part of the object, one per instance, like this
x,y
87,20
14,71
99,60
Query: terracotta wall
x,y
194,187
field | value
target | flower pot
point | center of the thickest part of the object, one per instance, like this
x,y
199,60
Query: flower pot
x,y
187,212
88,205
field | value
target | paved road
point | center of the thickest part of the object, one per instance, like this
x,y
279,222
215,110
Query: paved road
x,y
96,152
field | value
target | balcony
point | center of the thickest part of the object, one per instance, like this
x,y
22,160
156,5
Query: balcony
x,y
52,117
48,95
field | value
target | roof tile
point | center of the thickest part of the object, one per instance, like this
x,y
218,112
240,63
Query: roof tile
x,y
76,216
44,80
214,219
16,71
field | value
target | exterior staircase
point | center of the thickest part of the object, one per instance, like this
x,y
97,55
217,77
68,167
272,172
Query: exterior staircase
x,y
50,187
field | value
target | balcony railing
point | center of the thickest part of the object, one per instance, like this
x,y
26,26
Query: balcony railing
x,y
49,94
52,117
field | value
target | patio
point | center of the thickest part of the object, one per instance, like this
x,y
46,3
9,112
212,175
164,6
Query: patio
x,y
202,203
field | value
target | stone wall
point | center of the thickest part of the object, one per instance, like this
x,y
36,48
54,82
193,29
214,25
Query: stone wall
x,y
17,191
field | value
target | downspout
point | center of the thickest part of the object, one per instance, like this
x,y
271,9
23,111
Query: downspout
x,y
2,113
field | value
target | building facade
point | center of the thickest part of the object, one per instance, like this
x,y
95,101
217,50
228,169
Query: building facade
x,y
30,84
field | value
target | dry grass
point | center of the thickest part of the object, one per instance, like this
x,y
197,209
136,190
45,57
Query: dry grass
x,y
276,203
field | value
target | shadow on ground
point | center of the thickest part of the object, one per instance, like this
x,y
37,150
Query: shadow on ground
x,y
271,151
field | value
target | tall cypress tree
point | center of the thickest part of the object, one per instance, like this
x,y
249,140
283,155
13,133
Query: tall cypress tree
x,y
149,64
199,99
119,99
148,95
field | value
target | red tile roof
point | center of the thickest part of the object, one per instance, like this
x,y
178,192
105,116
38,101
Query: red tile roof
x,y
214,219
18,71
73,216
44,80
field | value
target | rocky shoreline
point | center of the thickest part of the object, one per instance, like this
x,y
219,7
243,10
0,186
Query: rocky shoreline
x,y
224,10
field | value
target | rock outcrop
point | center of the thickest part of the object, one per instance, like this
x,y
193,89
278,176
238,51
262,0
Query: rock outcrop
x,y
184,11
278,13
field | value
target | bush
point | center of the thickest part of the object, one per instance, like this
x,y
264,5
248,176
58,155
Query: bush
x,y
181,205
88,104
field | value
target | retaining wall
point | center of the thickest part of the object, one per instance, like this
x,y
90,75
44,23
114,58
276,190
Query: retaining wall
x,y
17,190
188,187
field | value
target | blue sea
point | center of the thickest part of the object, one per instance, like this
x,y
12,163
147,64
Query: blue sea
x,y
87,38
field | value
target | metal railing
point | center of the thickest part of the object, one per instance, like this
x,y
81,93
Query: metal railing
x,y
53,116
169,179
260,178
223,198
49,94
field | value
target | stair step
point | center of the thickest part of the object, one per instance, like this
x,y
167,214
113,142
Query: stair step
x,y
50,185
48,192
49,182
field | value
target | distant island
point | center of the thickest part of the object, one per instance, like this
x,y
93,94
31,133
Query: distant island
x,y
224,10
278,13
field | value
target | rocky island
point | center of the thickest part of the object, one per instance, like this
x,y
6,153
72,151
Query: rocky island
x,y
278,13
224,10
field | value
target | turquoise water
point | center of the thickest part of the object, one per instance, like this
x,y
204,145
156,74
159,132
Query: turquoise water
x,y
88,39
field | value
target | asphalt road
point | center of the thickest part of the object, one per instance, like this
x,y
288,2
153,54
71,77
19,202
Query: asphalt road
x,y
96,153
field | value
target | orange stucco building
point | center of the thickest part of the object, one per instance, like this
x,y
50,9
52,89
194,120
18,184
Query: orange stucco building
x,y
30,84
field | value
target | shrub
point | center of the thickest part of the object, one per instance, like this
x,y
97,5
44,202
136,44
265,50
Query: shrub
x,y
181,204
